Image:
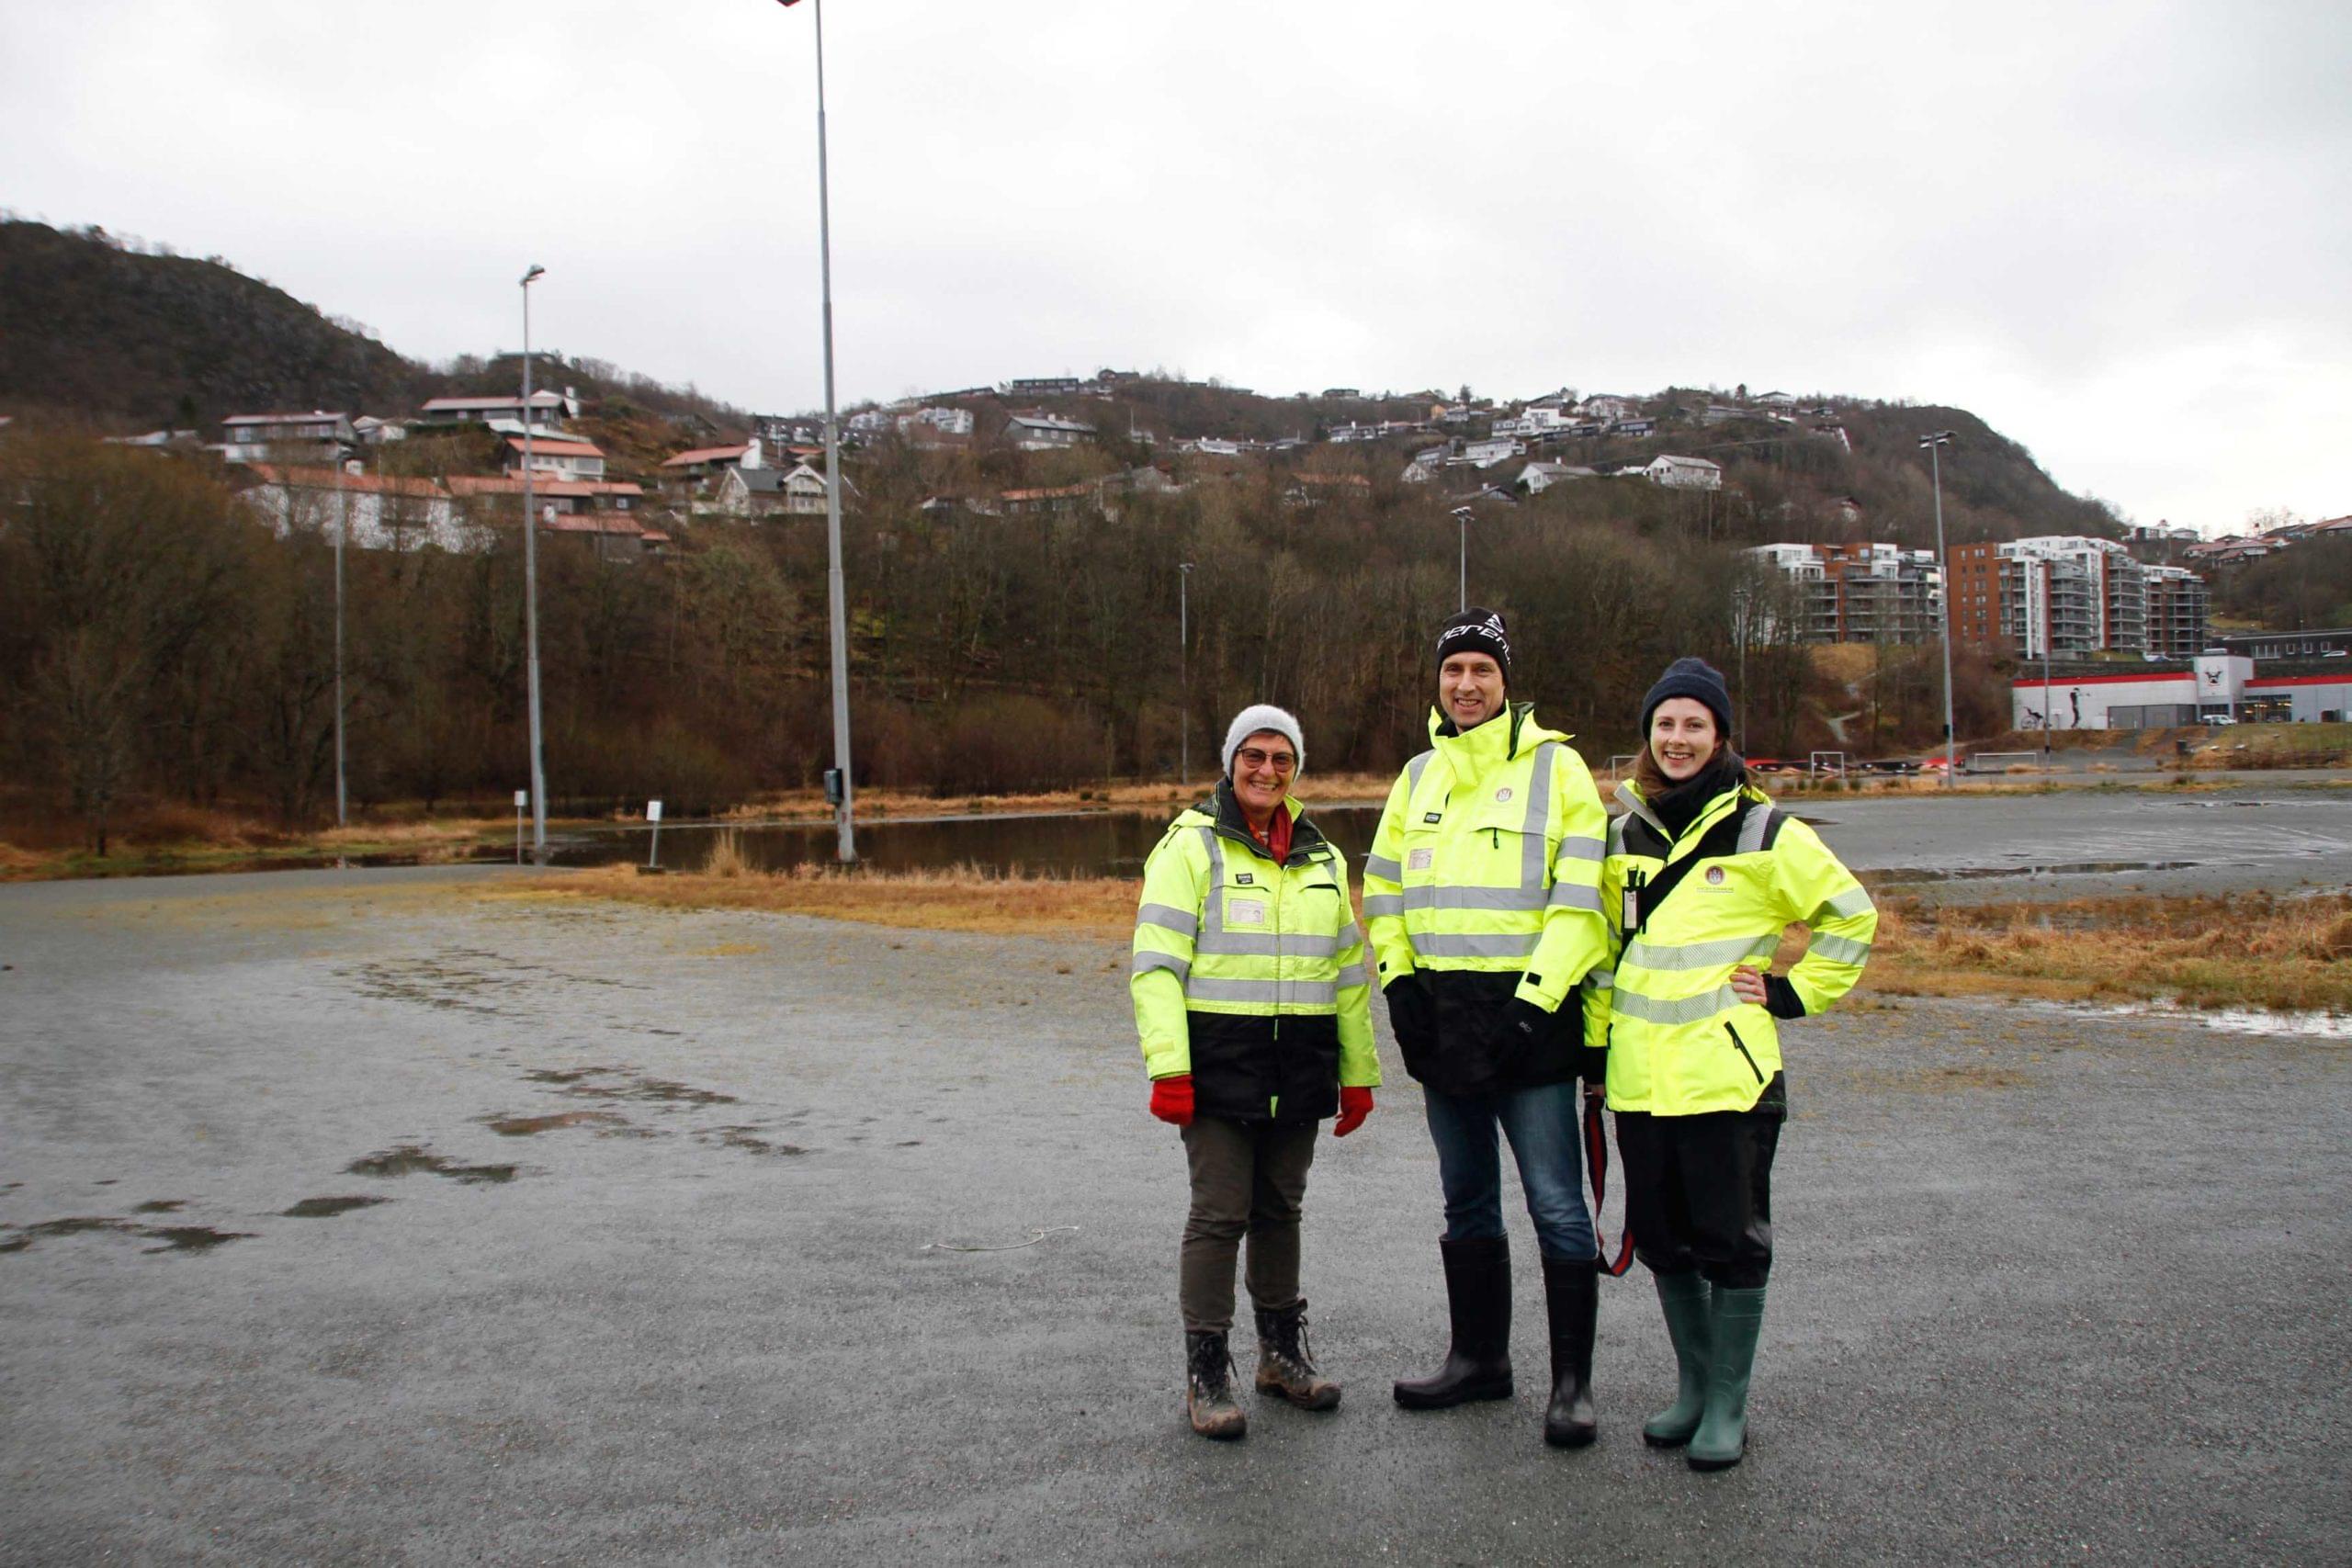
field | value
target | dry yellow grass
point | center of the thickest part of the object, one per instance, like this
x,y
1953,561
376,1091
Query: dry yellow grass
x,y
2233,950
798,805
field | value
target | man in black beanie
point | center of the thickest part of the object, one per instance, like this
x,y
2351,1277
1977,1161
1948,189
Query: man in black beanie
x,y
1475,631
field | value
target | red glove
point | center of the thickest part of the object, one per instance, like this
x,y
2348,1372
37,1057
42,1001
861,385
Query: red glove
x,y
1172,1099
1355,1104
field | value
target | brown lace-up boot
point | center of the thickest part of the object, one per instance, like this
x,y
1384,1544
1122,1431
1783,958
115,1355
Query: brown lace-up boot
x,y
1285,1365
1208,1388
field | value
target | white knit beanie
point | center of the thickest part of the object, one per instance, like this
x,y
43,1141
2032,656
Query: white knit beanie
x,y
1262,716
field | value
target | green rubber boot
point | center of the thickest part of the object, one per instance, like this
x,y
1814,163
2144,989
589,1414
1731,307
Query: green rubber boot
x,y
1732,1325
1684,1297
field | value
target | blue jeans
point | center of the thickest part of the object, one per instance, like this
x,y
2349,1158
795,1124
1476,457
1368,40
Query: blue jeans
x,y
1545,1139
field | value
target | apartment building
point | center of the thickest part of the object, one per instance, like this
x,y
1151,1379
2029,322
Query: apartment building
x,y
1866,592
2067,594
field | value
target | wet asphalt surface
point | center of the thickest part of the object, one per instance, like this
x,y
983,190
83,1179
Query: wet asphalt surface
x,y
642,1268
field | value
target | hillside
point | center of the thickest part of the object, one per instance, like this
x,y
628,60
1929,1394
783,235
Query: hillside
x,y
125,340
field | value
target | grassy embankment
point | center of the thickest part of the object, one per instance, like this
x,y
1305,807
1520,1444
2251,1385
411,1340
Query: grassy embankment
x,y
180,839
2211,951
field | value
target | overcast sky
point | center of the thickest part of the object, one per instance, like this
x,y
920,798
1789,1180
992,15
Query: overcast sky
x,y
2118,233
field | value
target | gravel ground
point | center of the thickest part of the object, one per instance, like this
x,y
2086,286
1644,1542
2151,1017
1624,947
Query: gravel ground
x,y
379,1217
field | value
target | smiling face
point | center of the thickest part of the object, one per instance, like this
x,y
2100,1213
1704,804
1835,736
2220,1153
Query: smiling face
x,y
1469,689
1262,767
1682,736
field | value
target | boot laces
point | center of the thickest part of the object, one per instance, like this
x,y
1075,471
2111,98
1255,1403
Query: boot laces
x,y
1211,1364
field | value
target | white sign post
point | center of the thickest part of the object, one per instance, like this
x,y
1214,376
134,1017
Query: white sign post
x,y
653,815
522,799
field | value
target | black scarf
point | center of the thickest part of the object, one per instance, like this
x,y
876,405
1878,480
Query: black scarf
x,y
1678,806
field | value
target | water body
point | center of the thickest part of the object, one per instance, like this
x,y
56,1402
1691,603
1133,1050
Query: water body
x,y
1968,847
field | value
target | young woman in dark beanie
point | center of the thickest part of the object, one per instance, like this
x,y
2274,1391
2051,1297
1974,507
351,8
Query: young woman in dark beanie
x,y
1701,879
1482,896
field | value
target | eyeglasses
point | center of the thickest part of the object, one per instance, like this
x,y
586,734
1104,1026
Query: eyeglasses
x,y
1250,757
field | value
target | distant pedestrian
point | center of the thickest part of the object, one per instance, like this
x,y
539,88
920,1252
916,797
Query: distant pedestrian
x,y
1482,894
1251,997
1704,876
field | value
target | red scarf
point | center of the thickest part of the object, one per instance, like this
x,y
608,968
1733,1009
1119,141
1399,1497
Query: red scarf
x,y
1276,838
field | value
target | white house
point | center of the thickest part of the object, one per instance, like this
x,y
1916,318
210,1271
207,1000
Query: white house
x,y
1486,454
1606,410
1539,476
751,492
553,455
1685,473
383,513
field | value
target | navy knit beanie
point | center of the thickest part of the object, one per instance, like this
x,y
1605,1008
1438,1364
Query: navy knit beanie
x,y
1696,679
1475,631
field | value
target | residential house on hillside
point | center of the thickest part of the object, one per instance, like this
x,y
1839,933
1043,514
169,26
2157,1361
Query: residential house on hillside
x,y
1042,500
1039,432
1539,476
1042,387
698,465
314,436
1634,427
548,409
553,455
166,437
1603,409
1685,473
1776,400
551,493
1483,454
375,432
382,512
798,491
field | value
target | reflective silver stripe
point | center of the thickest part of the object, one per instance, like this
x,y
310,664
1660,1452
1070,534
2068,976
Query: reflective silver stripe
x,y
1378,904
1167,916
1633,806
1617,835
1230,943
1690,1009
1751,830
1600,979
1504,898
1413,772
1276,993
1840,948
1535,867
1440,944
1146,962
1213,907
1851,902
1356,973
1698,954
1383,868
1577,846
1574,895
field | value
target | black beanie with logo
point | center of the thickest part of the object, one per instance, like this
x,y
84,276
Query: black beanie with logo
x,y
1475,631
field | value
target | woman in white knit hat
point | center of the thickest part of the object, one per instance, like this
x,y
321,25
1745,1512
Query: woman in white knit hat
x,y
1251,999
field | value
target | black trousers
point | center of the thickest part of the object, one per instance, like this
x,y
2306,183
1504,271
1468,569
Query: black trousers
x,y
1699,1191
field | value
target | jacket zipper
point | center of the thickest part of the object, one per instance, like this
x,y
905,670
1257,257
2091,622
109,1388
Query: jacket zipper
x,y
1741,1045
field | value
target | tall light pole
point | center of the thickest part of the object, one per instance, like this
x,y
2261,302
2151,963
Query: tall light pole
x,y
2049,591
531,593
1184,663
341,528
834,593
1462,515
1933,445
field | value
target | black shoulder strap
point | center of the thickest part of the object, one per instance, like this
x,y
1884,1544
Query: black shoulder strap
x,y
1722,838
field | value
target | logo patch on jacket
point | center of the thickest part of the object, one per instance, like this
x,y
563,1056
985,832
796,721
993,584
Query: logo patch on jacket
x,y
1715,876
1432,815
1247,877
1418,860
1503,794
1245,911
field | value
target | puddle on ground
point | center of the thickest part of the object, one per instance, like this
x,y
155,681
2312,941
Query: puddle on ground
x,y
750,1142
408,1157
192,1238
583,1082
527,1126
2230,1021
328,1208
161,1206
2048,868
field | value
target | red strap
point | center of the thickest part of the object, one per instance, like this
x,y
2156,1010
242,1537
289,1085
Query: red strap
x,y
1596,1159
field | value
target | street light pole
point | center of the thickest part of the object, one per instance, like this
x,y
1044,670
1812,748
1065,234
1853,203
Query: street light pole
x,y
1462,516
1934,445
531,593
341,528
836,595
2049,589
1184,663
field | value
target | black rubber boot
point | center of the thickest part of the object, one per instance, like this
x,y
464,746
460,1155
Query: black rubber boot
x,y
1571,1301
1208,1388
1477,1298
1285,1365
1684,1298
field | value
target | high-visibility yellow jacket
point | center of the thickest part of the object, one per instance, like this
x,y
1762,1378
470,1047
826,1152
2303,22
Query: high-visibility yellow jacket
x,y
1679,1040
1247,974
1483,887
